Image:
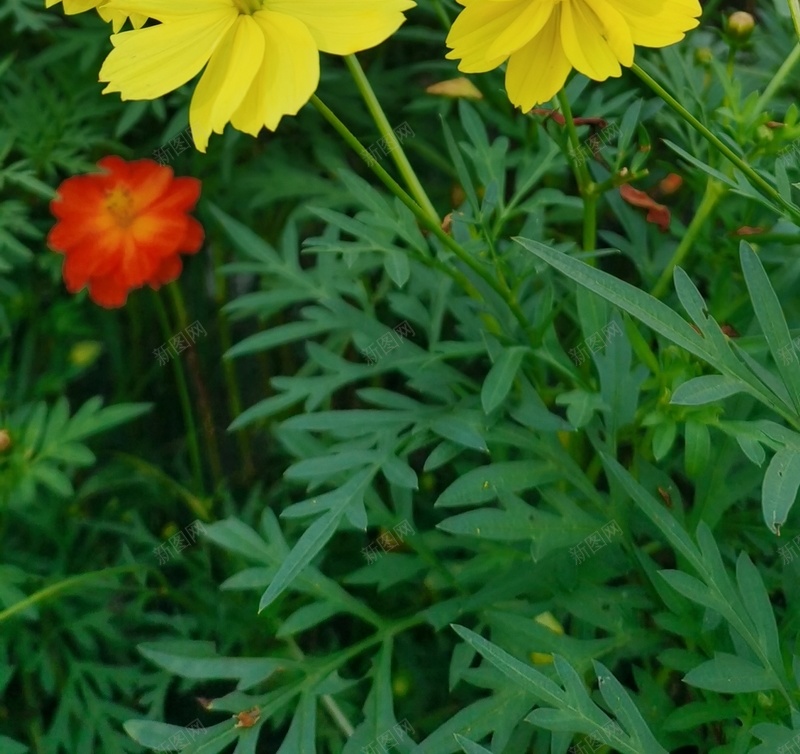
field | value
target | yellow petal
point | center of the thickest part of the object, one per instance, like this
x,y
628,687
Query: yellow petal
x,y
148,63
342,27
539,70
544,39
226,80
287,77
588,40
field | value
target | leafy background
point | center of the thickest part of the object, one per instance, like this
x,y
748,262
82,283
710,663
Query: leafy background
x,y
480,631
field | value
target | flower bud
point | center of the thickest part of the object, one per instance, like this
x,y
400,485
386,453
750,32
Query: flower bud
x,y
703,56
5,440
740,26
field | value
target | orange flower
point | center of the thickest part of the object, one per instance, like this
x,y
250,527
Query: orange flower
x,y
124,228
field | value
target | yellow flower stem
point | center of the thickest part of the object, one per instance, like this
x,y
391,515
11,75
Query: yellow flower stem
x,y
752,176
426,219
586,185
713,193
183,396
386,131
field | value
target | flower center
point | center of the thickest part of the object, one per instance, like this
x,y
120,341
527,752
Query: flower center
x,y
120,204
247,7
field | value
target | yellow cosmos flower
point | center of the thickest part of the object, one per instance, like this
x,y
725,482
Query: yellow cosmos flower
x,y
71,7
543,40
261,57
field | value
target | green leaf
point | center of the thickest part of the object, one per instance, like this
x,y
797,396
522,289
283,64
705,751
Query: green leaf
x,y
501,377
457,160
316,536
199,660
306,617
490,523
302,733
236,536
706,389
654,314
756,601
7,746
469,747
524,676
636,302
278,336
779,490
159,736
400,473
485,483
654,510
461,431
627,713
731,675
698,448
770,317
477,719
692,589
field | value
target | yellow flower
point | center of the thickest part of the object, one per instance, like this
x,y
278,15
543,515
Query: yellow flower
x,y
261,57
117,18
543,40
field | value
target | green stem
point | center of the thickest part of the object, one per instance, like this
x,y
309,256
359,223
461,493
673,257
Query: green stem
x,y
426,220
228,367
713,193
334,710
752,176
386,131
794,7
194,503
183,396
442,13
61,586
586,185
202,394
778,79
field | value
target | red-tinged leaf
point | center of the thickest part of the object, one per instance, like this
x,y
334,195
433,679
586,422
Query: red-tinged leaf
x,y
657,213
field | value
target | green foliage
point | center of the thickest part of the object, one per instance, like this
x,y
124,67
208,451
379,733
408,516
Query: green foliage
x,y
579,462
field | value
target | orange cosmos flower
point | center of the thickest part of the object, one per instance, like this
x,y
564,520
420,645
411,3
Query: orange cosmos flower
x,y
124,228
